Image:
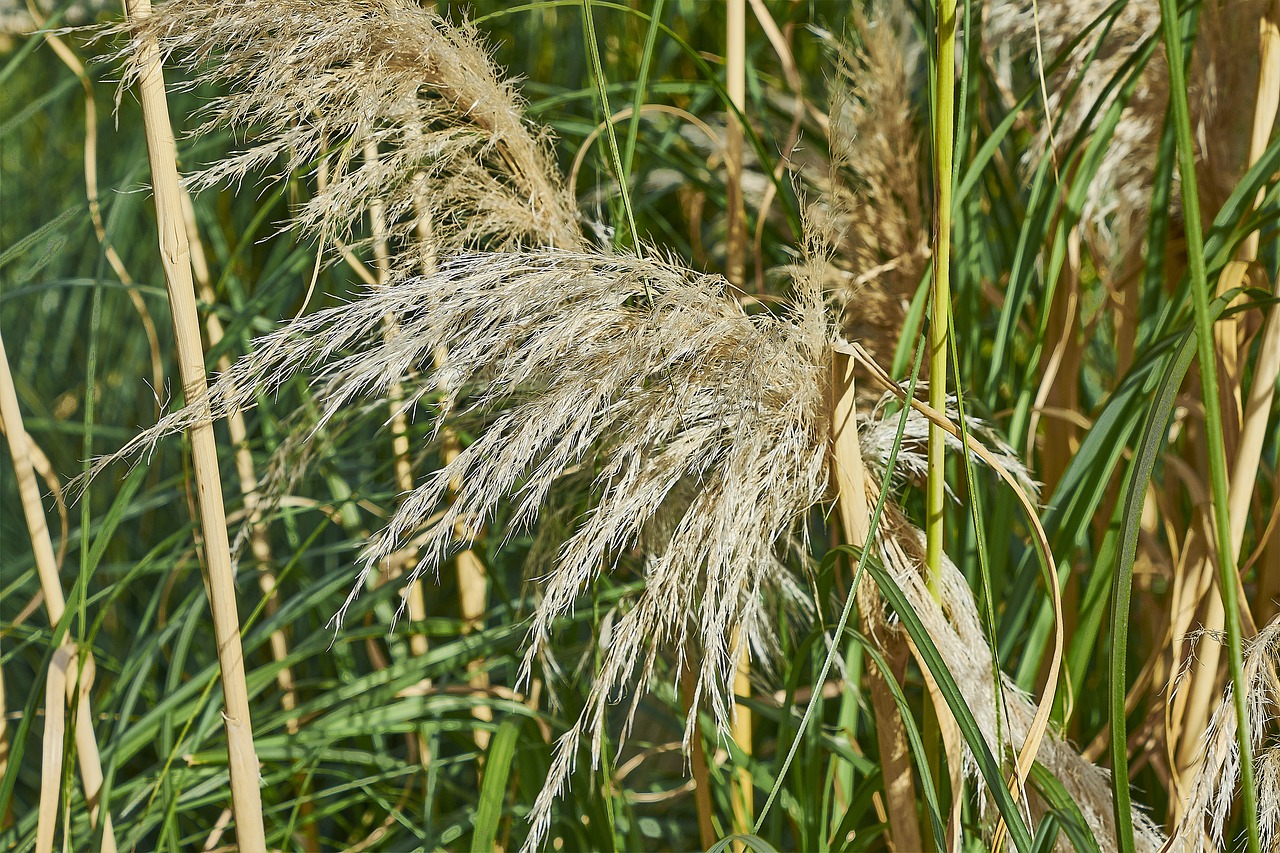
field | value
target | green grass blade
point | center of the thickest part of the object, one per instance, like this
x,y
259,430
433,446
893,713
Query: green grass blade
x,y
493,788
987,764
1226,557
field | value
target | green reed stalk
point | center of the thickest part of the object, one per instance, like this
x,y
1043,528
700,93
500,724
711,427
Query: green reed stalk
x,y
1212,408
940,298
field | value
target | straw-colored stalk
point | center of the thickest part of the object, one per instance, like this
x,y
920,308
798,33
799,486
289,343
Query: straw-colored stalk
x,y
473,596
698,766
394,566
175,254
742,791
73,62
855,517
55,605
1258,405
259,540
1257,410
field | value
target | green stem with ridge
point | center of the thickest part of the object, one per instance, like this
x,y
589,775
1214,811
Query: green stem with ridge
x,y
940,297
1200,296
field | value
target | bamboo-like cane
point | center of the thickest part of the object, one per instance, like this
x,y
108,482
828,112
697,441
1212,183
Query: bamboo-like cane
x,y
55,603
855,518
415,600
940,330
175,254
742,791
259,540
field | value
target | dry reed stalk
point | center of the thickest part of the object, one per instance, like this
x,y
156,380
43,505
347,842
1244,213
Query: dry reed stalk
x,y
76,66
1253,426
472,577
175,254
849,474
55,606
1267,366
741,789
394,565
256,525
698,766
55,729
238,432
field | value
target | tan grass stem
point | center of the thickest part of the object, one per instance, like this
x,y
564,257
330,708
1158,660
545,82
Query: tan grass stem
x,y
698,765
1257,409
415,600
742,790
259,538
55,603
175,254
855,517
473,594
73,62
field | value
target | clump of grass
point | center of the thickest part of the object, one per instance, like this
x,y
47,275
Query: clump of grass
x,y
661,428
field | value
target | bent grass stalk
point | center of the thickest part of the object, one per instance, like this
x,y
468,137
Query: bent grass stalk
x,y
175,254
1214,433
76,66
55,606
855,517
415,601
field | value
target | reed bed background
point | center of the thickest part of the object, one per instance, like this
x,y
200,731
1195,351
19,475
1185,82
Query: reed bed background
x,y
596,453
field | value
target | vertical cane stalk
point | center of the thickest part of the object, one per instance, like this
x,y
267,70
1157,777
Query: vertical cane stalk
x,y
940,294
175,255
742,792
55,603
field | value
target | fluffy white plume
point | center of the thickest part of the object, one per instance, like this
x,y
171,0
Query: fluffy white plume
x,y
312,83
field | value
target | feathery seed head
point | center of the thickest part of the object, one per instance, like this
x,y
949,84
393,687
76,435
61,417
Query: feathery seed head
x,y
311,83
